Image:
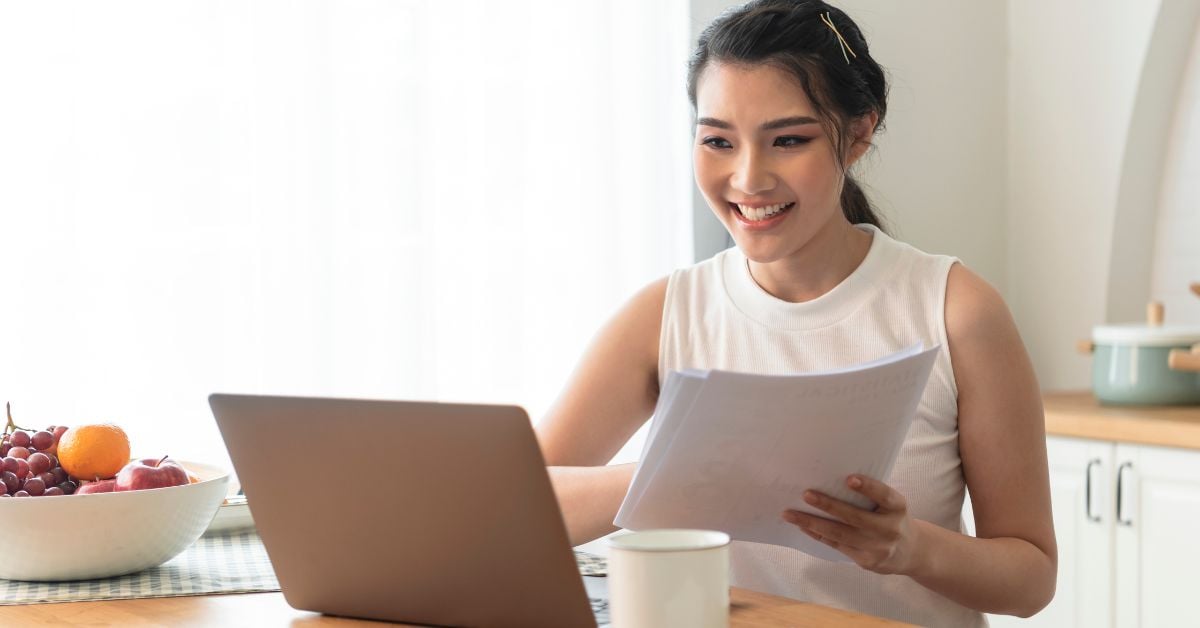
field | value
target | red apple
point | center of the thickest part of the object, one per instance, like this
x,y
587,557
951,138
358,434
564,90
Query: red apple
x,y
99,486
150,473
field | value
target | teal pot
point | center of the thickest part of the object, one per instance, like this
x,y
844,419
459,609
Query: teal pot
x,y
1146,365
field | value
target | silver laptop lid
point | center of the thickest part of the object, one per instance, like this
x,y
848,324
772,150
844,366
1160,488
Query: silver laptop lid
x,y
405,511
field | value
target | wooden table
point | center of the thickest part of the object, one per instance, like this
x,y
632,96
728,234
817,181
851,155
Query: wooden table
x,y
256,610
1078,414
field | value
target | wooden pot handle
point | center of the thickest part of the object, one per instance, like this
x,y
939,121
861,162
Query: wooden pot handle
x,y
1154,314
1085,346
1184,360
1196,288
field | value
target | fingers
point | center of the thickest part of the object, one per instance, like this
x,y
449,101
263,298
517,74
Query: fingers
x,y
833,533
841,510
891,504
851,518
827,541
888,498
872,539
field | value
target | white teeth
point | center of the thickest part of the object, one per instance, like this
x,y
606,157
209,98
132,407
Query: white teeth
x,y
761,213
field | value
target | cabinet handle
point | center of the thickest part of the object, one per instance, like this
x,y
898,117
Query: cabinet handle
x,y
1120,494
1087,491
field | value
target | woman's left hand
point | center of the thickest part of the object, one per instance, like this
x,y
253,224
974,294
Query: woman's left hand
x,y
883,541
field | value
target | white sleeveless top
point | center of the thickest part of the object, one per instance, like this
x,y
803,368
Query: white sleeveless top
x,y
717,317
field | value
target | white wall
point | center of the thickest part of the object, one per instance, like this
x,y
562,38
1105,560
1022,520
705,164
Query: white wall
x,y
1147,162
1070,99
1176,250
1090,83
710,234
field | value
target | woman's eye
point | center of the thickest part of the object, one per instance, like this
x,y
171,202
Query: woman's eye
x,y
716,142
792,140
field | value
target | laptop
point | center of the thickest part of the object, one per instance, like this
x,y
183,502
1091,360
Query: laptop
x,y
416,512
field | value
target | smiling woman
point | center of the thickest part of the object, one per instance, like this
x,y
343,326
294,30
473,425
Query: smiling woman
x,y
360,199
787,98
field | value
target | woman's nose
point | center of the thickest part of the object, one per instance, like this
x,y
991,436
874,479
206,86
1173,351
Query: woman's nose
x,y
751,175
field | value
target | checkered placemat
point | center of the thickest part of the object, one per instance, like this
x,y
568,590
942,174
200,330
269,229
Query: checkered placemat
x,y
226,563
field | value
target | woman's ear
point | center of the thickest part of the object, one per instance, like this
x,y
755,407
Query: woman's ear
x,y
862,129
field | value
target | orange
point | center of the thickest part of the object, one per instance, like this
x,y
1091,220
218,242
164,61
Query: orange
x,y
93,452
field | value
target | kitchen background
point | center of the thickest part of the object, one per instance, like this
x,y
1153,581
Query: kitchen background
x,y
420,199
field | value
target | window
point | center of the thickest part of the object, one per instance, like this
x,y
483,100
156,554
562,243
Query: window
x,y
415,200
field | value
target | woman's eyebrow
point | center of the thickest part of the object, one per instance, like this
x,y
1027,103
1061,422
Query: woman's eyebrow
x,y
769,126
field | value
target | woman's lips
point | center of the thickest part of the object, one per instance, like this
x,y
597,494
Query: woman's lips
x,y
765,223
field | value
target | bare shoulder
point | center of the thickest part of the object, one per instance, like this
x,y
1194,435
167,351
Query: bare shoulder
x,y
992,369
999,401
974,307
614,387
646,306
980,330
637,325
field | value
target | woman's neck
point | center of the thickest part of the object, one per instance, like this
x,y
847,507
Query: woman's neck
x,y
817,267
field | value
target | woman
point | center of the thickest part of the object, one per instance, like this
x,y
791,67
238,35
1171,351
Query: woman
x,y
787,99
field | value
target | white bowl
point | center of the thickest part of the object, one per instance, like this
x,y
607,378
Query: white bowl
x,y
77,537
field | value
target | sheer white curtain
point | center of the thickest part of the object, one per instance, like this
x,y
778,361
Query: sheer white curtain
x,y
421,199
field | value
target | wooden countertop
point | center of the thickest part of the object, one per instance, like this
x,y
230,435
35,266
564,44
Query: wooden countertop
x,y
1078,414
263,610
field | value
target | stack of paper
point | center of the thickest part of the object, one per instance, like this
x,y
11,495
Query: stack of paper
x,y
731,451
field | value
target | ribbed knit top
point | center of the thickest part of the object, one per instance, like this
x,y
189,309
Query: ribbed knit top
x,y
717,317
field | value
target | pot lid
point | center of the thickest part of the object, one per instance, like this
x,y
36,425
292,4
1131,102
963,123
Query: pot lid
x,y
1146,335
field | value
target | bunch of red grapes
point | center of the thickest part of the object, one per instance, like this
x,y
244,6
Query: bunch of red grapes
x,y
28,466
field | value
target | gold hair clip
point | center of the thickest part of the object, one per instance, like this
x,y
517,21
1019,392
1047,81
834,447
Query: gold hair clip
x,y
842,40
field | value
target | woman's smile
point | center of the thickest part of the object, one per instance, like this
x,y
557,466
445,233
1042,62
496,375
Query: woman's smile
x,y
762,217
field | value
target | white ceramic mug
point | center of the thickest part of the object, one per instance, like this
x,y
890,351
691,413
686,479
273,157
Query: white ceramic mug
x,y
669,578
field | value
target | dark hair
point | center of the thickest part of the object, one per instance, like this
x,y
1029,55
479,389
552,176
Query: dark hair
x,y
792,36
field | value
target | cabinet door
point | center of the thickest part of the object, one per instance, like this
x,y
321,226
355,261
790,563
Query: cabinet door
x,y
1083,524
1156,538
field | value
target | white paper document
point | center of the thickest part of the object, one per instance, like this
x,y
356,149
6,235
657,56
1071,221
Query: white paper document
x,y
731,451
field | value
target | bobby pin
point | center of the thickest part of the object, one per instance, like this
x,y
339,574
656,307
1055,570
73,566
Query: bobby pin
x,y
842,40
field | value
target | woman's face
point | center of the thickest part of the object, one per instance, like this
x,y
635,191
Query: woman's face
x,y
758,146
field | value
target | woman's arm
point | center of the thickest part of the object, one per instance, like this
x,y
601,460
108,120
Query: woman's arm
x,y
1002,443
609,396
1010,568
590,497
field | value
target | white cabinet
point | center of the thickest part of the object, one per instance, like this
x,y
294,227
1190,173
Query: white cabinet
x,y
1157,542
1127,519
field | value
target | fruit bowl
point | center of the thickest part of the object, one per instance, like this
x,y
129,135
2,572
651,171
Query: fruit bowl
x,y
78,537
